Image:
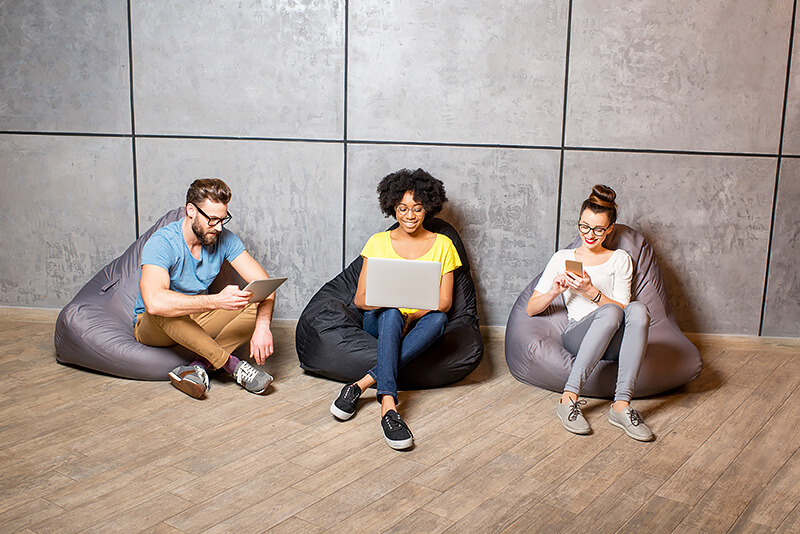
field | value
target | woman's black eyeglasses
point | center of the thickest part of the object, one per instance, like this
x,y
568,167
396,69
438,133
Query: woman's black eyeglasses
x,y
213,221
598,231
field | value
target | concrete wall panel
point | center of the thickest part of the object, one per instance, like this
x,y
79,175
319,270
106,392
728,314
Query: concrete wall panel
x,y
782,312
502,202
271,68
696,77
64,66
791,134
704,75
707,217
66,210
286,205
467,72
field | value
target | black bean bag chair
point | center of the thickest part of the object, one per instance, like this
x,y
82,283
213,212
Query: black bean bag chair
x,y
331,342
95,330
535,355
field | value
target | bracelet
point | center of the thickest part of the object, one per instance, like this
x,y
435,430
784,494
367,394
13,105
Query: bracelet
x,y
597,298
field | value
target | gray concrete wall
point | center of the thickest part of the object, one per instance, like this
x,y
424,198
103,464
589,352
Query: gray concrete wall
x,y
302,106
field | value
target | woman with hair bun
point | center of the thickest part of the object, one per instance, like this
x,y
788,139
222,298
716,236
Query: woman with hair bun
x,y
603,322
403,334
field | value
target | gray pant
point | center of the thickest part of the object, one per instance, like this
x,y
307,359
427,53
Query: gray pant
x,y
608,333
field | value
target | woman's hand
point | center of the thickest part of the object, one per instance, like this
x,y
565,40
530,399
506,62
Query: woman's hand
x,y
581,285
560,284
540,301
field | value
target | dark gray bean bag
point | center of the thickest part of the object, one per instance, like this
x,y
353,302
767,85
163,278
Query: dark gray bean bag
x,y
331,343
95,330
535,356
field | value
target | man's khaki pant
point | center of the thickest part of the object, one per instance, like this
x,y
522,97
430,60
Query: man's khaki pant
x,y
212,335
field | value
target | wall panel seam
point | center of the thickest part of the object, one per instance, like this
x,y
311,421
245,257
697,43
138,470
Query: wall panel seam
x,y
133,124
344,129
560,187
777,171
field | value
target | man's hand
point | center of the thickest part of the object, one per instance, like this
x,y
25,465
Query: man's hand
x,y
232,298
261,346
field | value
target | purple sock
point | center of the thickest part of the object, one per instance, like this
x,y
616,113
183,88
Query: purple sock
x,y
230,365
202,363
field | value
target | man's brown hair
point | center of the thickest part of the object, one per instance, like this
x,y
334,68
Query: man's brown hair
x,y
212,189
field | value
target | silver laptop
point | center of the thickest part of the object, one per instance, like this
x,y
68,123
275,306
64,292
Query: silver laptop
x,y
403,283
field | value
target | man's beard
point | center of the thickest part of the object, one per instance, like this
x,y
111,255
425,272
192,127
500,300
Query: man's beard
x,y
206,240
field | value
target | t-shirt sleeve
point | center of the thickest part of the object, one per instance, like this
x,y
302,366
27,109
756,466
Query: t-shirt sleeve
x,y
450,258
158,251
369,248
623,275
553,268
233,246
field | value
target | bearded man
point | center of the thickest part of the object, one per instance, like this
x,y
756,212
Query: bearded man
x,y
179,262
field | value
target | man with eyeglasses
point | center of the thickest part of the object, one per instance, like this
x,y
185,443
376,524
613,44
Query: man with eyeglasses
x,y
179,262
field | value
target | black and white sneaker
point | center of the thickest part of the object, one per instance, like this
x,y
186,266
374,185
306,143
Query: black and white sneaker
x,y
395,431
344,406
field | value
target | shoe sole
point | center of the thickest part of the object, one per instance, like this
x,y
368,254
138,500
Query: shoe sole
x,y
193,389
574,431
261,392
401,444
634,436
341,415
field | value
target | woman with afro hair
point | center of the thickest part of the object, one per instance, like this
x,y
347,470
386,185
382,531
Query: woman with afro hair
x,y
403,334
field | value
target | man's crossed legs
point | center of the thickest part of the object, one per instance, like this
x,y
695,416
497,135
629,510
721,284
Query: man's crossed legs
x,y
212,335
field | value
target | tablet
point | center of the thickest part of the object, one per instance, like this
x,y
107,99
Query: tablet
x,y
397,283
261,289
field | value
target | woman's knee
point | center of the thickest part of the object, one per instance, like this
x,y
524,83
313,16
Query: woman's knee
x,y
390,317
438,321
611,313
637,312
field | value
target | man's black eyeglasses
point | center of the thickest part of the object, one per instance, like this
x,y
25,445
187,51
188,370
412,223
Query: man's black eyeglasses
x,y
213,221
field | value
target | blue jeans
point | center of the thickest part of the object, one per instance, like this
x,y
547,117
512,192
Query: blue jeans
x,y
608,333
394,350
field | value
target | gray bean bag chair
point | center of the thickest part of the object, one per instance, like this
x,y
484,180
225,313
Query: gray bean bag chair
x,y
535,356
95,330
331,342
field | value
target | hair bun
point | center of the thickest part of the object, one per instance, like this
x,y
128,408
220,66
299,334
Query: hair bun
x,y
604,196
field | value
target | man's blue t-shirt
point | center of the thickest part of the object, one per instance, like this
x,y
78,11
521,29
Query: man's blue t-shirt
x,y
166,248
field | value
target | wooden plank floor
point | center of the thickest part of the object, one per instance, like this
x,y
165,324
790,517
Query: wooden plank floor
x,y
84,452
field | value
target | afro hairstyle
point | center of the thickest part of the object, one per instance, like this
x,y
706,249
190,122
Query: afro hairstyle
x,y
427,190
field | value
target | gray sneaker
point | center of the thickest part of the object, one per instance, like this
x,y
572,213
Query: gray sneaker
x,y
191,379
572,418
632,423
252,379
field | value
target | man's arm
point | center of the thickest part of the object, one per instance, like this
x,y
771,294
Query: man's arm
x,y
261,344
159,299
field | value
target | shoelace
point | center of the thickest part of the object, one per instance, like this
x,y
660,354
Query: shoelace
x,y
351,392
202,374
246,373
635,417
392,423
575,409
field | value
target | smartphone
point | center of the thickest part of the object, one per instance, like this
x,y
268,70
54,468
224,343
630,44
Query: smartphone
x,y
575,267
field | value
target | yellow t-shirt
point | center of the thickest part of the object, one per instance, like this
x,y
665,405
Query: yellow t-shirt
x,y
443,251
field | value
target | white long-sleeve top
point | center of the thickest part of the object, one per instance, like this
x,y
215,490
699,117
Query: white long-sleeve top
x,y
612,278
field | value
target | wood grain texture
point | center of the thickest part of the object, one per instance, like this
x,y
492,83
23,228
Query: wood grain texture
x,y
84,452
